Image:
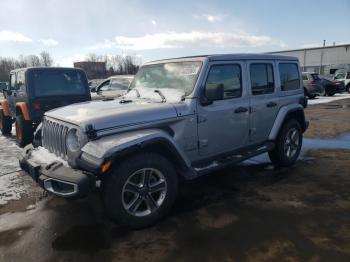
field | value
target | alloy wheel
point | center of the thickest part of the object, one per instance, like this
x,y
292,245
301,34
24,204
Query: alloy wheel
x,y
144,192
291,143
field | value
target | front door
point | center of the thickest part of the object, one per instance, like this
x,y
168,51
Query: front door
x,y
11,96
264,101
223,126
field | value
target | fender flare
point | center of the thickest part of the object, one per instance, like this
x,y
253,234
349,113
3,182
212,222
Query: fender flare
x,y
281,116
24,109
5,107
119,145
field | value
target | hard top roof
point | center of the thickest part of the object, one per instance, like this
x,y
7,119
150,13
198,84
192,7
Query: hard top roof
x,y
227,57
43,67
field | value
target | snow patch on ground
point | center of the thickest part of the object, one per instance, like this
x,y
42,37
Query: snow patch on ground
x,y
327,99
12,183
12,186
43,156
171,95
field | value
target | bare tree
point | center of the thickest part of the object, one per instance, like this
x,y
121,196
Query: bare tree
x,y
33,60
45,59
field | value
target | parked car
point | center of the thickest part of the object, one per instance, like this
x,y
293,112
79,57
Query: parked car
x,y
112,87
332,86
315,85
312,85
343,76
181,117
33,91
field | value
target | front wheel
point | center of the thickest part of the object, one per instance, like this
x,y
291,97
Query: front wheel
x,y
24,131
5,123
288,144
140,190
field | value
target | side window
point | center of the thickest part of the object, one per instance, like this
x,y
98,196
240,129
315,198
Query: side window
x,y
13,82
228,75
105,86
20,80
348,77
305,77
261,78
289,75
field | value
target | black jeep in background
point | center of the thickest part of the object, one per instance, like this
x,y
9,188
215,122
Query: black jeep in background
x,y
33,91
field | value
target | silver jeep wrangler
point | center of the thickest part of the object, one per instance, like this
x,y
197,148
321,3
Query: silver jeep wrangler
x,y
181,117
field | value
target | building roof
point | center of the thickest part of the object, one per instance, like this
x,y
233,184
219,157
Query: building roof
x,y
310,48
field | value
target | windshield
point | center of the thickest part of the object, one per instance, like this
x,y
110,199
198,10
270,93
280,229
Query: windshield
x,y
120,83
174,80
60,82
339,76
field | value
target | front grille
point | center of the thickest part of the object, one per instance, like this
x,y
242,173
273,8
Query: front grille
x,y
54,137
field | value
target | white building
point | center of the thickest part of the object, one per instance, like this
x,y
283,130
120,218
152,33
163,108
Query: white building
x,y
324,60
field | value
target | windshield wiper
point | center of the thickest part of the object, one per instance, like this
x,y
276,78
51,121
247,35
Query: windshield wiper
x,y
161,95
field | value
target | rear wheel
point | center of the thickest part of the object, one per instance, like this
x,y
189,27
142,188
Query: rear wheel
x,y
348,88
24,131
5,123
288,144
140,190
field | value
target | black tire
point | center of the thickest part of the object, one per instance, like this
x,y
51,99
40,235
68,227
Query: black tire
x,y
330,94
24,131
115,184
278,155
311,96
348,88
5,123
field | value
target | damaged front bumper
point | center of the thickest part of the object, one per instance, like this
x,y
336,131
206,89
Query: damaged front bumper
x,y
56,177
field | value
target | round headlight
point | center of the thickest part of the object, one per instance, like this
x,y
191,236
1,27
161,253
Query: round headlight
x,y
72,140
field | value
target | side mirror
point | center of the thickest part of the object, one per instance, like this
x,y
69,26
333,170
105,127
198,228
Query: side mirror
x,y
93,90
213,92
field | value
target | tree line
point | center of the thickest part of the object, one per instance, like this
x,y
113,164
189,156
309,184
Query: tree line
x,y
115,64
8,63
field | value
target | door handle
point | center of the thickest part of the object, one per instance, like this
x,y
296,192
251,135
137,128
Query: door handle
x,y
271,104
241,110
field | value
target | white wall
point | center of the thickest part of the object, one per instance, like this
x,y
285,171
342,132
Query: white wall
x,y
331,56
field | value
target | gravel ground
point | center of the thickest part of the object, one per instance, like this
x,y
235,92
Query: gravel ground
x,y
250,212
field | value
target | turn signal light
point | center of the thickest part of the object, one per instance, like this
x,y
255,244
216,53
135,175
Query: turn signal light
x,y
106,166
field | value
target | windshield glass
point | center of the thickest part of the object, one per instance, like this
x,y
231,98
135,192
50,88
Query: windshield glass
x,y
120,83
174,80
60,82
339,76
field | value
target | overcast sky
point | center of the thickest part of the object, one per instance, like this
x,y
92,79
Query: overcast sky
x,y
153,29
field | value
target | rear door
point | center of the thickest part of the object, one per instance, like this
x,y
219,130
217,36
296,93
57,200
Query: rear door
x,y
223,126
264,103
